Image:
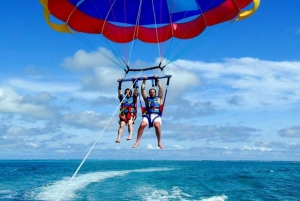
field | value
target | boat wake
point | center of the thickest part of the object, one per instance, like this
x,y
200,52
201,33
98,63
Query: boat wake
x,y
66,189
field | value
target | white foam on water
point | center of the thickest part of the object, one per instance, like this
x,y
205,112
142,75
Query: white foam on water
x,y
149,193
215,198
152,169
5,191
54,190
6,194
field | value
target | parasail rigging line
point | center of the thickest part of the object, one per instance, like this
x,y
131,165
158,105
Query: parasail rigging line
x,y
115,50
192,44
171,40
86,41
135,31
186,47
80,37
170,46
155,24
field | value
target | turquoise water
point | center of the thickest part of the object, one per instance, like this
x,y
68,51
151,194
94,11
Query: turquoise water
x,y
149,180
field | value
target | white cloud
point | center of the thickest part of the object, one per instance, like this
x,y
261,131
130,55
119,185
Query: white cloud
x,y
100,74
150,146
12,102
83,60
38,86
177,147
14,130
292,132
181,78
253,81
51,90
256,148
103,79
87,119
32,144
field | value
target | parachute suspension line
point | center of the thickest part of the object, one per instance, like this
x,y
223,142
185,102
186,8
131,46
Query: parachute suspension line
x,y
205,37
186,49
193,45
118,52
134,82
135,32
179,54
80,2
90,44
158,43
125,76
118,57
202,41
163,72
92,147
83,39
123,47
169,46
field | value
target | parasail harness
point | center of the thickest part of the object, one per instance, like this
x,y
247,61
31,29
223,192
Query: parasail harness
x,y
128,105
150,106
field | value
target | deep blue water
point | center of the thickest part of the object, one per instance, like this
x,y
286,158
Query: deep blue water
x,y
149,180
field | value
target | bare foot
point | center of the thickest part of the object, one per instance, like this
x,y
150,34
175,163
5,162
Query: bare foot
x,y
117,141
160,146
129,138
135,145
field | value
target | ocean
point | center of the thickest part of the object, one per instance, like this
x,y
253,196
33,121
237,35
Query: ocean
x,y
149,180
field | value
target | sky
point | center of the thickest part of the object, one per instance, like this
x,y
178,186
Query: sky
x,y
235,96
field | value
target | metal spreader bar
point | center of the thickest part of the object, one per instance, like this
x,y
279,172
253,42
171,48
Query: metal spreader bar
x,y
145,78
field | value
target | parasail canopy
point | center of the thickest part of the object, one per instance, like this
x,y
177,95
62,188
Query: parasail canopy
x,y
151,21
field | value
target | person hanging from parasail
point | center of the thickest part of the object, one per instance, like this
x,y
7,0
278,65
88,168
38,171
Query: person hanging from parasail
x,y
127,111
152,112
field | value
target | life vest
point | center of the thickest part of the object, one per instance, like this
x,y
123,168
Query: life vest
x,y
128,103
153,106
128,108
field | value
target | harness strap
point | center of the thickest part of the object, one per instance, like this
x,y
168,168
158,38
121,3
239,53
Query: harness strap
x,y
146,110
146,113
126,116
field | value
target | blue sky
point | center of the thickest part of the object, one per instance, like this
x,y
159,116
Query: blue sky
x,y
236,96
